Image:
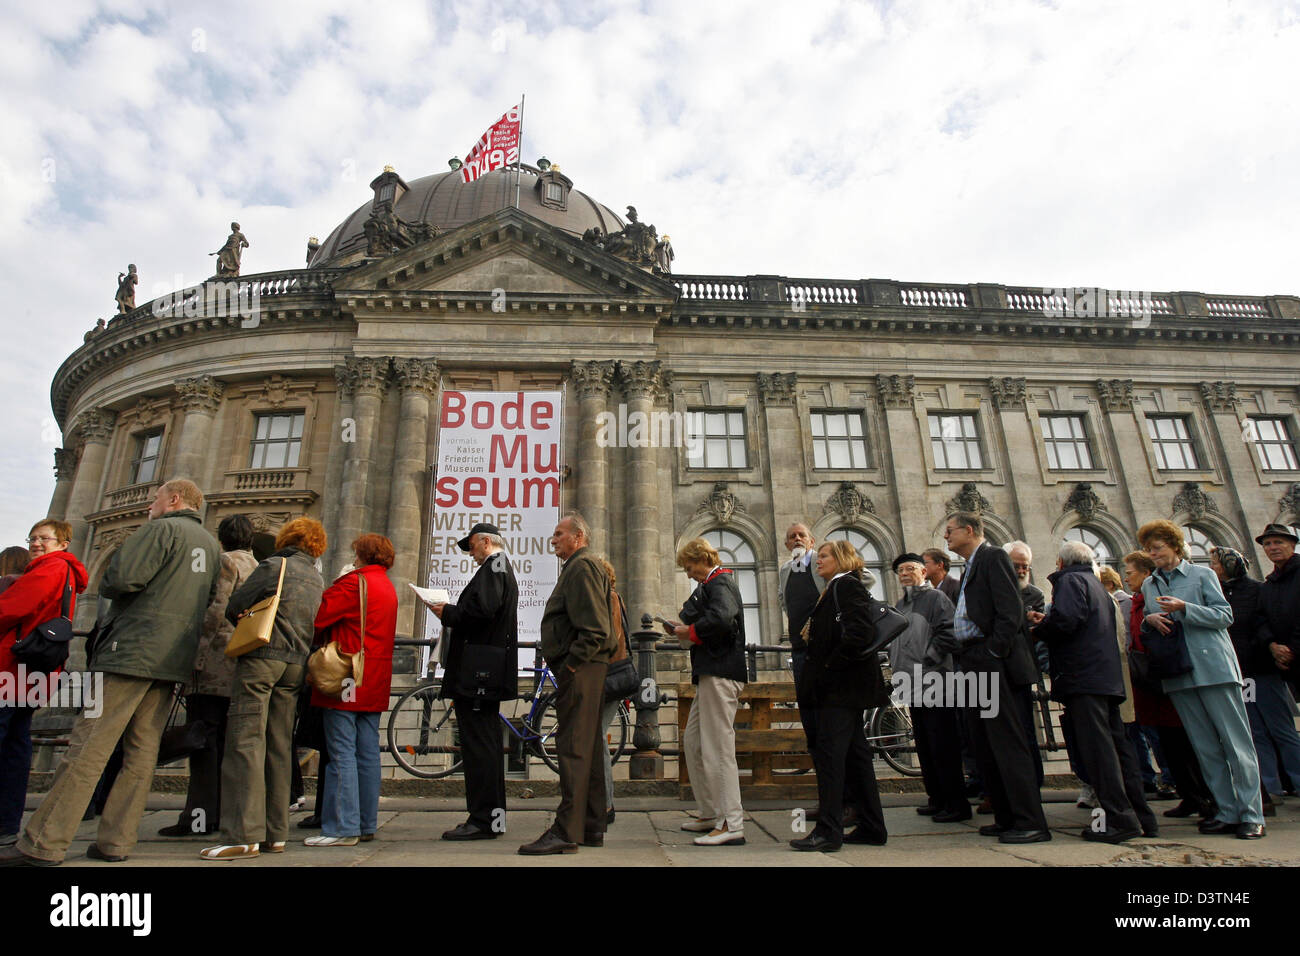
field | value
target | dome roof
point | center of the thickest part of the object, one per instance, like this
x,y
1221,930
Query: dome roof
x,y
442,200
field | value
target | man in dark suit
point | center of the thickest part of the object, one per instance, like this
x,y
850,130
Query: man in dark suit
x,y
991,642
482,664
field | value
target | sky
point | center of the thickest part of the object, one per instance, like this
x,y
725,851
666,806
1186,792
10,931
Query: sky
x,y
1142,146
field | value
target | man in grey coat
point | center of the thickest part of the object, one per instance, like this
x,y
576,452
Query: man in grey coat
x,y
160,581
919,667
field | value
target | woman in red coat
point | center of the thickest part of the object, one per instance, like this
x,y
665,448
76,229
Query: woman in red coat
x,y
33,598
350,802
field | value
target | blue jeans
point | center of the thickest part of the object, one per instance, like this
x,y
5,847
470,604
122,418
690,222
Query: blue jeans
x,y
350,806
1271,723
15,764
1139,739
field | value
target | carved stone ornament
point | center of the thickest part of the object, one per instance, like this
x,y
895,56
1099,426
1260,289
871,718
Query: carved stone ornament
x,y
1194,501
644,379
777,388
65,463
1116,394
417,375
368,375
591,379
1219,396
968,499
95,425
269,522
112,539
200,394
1290,501
1084,501
721,503
343,382
849,502
637,243
145,413
1008,392
386,233
895,390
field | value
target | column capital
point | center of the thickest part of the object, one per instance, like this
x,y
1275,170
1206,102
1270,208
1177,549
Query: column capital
x,y
368,375
95,425
591,379
1116,394
644,379
417,375
200,394
65,463
895,391
777,388
1219,396
1008,392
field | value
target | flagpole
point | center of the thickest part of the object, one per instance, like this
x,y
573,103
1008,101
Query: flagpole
x,y
520,159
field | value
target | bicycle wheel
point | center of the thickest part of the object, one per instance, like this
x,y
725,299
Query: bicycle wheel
x,y
889,733
620,733
422,734
787,763
543,738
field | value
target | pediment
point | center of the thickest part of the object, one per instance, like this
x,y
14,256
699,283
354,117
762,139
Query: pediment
x,y
508,250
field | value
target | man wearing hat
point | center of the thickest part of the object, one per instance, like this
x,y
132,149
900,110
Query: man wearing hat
x,y
482,664
1279,601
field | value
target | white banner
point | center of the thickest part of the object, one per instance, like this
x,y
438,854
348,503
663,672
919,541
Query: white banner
x,y
499,459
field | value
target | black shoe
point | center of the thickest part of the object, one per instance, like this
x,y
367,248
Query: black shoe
x,y
863,835
1151,830
1217,826
310,823
1024,836
928,811
992,829
816,842
468,831
547,844
609,816
1250,831
182,830
593,839
1184,809
93,852
951,816
1166,793
1109,836
12,856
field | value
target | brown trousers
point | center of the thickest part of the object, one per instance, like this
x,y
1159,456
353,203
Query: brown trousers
x,y
581,746
135,710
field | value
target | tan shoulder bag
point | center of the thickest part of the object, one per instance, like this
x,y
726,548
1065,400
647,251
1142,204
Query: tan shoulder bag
x,y
328,667
255,624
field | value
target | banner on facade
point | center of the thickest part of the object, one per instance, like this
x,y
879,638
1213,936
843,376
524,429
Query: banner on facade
x,y
498,461
495,149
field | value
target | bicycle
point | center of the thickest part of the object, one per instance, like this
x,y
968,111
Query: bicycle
x,y
423,739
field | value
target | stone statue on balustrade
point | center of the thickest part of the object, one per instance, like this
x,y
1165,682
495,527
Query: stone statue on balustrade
x,y
126,283
664,257
228,256
386,232
637,242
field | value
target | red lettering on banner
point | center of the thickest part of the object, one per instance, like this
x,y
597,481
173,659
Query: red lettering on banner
x,y
473,491
518,450
447,496
542,414
505,492
453,409
516,406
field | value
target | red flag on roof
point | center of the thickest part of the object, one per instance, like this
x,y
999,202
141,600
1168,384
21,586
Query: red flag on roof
x,y
496,149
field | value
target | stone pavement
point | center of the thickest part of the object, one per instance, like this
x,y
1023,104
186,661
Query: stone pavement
x,y
646,834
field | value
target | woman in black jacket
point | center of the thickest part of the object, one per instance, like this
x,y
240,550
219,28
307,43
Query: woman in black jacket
x,y
713,625
841,680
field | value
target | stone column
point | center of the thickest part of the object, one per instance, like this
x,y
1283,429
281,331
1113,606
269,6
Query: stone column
x,y
342,421
369,381
200,398
1033,511
903,459
592,382
1235,452
418,379
93,428
641,381
776,395
65,469
1116,399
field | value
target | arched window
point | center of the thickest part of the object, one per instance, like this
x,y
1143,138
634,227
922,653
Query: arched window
x,y
1198,544
1100,547
737,556
870,554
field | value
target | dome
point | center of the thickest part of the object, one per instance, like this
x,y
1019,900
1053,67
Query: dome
x,y
442,200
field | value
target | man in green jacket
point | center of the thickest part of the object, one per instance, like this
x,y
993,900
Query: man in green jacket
x,y
577,641
160,582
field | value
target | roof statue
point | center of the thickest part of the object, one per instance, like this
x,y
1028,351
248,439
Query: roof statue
x,y
126,283
637,243
228,256
386,232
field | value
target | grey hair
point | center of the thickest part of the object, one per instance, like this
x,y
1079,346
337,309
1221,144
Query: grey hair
x,y
1012,545
1076,552
578,525
494,540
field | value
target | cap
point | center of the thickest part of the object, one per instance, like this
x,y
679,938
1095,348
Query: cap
x,y
480,528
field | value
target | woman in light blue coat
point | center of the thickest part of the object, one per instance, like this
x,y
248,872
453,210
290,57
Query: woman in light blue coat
x,y
1209,698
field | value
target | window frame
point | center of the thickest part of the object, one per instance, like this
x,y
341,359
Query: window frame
x,y
1189,438
975,437
727,438
849,415
1051,442
298,416
140,441
1287,443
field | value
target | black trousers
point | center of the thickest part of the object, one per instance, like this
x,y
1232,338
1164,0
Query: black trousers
x,y
842,760
1025,702
485,768
1102,746
204,793
1004,752
938,747
581,746
807,715
1186,770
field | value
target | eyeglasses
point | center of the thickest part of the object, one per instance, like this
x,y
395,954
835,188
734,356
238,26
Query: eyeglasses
x,y
43,537
1020,567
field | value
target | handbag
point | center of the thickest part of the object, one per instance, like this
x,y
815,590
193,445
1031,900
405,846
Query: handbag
x,y
886,622
481,672
181,740
621,679
1167,654
45,649
254,627
328,667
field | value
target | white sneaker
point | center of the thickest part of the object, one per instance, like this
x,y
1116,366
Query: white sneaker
x,y
722,837
233,851
1087,798
331,841
698,826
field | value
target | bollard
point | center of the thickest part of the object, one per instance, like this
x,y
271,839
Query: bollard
x,y
647,763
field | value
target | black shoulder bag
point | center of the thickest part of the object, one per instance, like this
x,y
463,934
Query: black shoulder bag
x,y
1167,654
45,649
886,622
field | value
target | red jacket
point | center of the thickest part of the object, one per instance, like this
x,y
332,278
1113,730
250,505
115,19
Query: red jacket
x,y
36,597
339,619
1151,710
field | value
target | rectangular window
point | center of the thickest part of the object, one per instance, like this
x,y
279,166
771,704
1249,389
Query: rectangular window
x,y
717,439
144,461
1172,443
838,441
955,442
1273,444
1067,443
277,441
555,192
